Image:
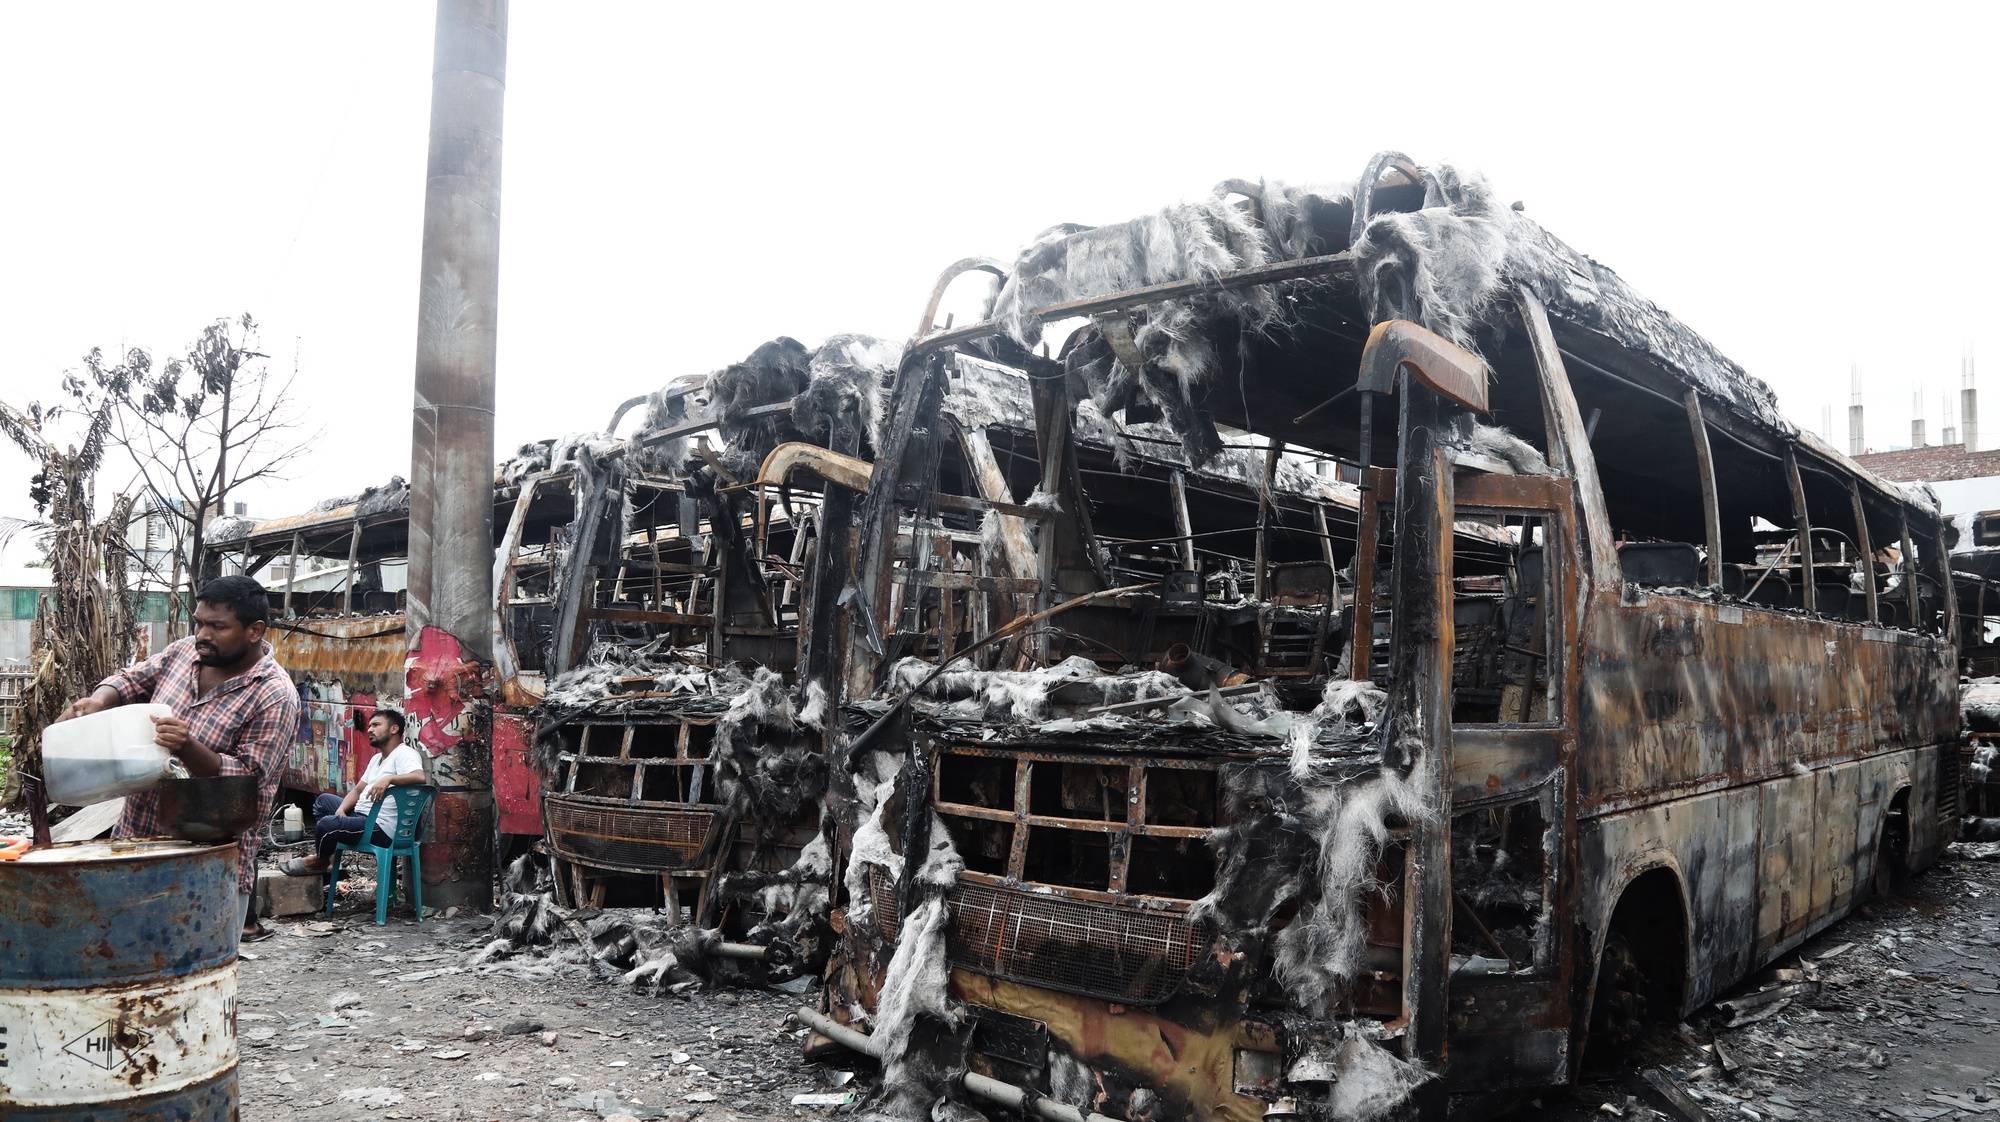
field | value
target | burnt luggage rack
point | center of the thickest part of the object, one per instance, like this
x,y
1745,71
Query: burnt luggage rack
x,y
634,811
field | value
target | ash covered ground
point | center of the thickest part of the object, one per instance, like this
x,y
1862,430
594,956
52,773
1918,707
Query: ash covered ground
x,y
1893,1013
347,1020
1897,1019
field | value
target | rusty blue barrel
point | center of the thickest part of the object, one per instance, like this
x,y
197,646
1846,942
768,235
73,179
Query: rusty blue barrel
x,y
118,982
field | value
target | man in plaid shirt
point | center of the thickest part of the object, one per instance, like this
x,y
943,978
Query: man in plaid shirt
x,y
236,712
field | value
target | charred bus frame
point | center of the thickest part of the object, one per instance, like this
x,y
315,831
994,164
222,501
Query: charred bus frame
x,y
1702,755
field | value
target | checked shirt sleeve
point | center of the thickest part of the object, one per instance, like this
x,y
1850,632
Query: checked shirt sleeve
x,y
137,682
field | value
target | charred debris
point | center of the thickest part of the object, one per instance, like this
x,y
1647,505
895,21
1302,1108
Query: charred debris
x,y
1051,686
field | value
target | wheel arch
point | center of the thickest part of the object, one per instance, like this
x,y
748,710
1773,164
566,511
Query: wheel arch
x,y
1651,888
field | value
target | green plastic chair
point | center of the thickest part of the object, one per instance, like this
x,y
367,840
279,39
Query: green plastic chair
x,y
411,803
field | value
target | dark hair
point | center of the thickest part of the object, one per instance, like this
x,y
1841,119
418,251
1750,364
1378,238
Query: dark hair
x,y
392,717
245,598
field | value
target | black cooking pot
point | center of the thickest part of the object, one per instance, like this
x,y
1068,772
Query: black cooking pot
x,y
210,809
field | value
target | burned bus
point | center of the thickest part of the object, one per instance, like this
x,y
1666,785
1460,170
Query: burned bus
x,y
1620,685
338,622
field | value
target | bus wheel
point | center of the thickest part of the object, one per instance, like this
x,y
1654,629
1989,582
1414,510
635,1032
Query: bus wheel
x,y
1892,852
1622,1009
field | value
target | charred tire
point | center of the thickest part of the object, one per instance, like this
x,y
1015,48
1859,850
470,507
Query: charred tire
x,y
1622,1008
1892,854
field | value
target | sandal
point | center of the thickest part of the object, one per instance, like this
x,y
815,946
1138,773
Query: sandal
x,y
257,934
296,867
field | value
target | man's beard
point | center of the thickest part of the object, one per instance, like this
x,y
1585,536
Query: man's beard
x,y
210,656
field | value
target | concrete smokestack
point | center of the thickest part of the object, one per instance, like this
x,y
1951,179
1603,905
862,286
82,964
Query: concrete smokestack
x,y
1855,444
1968,403
450,615
1917,419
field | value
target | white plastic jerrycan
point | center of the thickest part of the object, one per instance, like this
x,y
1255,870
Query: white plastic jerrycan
x,y
106,755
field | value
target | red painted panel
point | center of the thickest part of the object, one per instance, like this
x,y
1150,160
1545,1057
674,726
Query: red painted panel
x,y
357,753
441,684
516,788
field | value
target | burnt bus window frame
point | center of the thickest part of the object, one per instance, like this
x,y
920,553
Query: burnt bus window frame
x,y
1119,834
1544,801
1548,527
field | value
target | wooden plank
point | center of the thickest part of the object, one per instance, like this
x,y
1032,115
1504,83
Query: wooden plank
x,y
1711,510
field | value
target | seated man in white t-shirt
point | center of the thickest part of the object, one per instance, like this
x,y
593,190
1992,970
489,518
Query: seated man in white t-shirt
x,y
396,764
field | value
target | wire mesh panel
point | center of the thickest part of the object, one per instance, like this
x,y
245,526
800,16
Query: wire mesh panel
x,y
1109,951
640,840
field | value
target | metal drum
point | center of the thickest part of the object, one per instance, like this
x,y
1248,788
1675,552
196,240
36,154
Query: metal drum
x,y
118,982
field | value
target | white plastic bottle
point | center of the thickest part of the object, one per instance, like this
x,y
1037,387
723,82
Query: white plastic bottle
x,y
106,755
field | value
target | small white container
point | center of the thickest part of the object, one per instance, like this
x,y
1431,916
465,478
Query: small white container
x,y
106,755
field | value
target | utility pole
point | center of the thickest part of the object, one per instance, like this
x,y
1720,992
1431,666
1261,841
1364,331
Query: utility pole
x,y
450,616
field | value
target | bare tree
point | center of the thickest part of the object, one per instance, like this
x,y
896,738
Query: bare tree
x,y
83,628
196,430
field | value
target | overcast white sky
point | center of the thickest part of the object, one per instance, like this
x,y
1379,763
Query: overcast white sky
x,y
1808,188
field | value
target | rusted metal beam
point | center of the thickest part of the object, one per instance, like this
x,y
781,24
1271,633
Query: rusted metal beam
x,y
1399,345
1371,176
1373,490
1261,579
657,619
1326,554
851,472
1947,589
952,272
575,587
1809,592
1017,558
1335,266
1419,707
353,555
1183,525
292,575
1866,545
1569,447
1711,509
